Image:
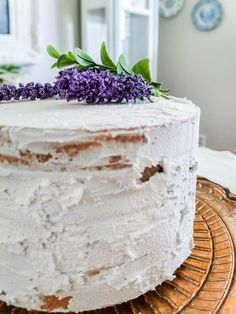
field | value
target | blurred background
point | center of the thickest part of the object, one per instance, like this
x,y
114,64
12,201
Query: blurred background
x,y
192,45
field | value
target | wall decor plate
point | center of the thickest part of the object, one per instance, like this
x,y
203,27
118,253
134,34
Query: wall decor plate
x,y
169,8
207,14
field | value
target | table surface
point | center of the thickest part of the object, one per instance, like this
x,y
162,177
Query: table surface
x,y
218,166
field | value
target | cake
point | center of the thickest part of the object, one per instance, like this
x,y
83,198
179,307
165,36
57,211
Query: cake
x,y
97,202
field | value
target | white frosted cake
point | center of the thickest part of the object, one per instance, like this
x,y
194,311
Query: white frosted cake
x,y
97,202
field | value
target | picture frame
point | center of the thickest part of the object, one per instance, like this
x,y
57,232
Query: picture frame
x,y
19,35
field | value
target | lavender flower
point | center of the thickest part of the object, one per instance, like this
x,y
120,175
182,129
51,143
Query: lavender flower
x,y
29,91
34,91
92,86
100,86
7,92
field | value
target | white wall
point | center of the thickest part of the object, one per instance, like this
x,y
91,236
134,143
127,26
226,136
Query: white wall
x,y
59,26
202,66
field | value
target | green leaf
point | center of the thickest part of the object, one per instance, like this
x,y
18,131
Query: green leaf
x,y
122,66
9,68
105,57
53,52
81,67
54,65
163,90
157,93
156,84
65,61
83,58
72,56
142,67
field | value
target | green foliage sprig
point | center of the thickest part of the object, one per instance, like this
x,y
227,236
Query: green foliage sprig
x,y
80,59
8,69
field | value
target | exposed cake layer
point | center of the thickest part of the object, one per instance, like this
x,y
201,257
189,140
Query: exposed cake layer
x,y
96,202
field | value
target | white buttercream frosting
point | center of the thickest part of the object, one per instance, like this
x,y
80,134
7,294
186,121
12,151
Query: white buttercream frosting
x,y
76,219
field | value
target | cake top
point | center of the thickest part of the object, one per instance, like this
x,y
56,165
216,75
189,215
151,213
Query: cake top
x,y
127,97
58,114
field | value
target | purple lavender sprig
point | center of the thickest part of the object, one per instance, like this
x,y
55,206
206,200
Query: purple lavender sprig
x,y
100,86
30,91
92,86
83,61
88,81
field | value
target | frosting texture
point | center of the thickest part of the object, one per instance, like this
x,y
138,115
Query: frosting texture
x,y
96,202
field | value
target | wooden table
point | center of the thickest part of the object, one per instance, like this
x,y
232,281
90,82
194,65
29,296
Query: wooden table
x,y
206,282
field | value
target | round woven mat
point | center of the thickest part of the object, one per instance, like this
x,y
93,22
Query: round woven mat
x,y
202,283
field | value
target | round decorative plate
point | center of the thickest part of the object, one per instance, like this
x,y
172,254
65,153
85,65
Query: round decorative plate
x,y
207,14
206,282
169,8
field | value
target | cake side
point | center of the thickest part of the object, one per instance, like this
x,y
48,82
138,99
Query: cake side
x,y
104,212
40,134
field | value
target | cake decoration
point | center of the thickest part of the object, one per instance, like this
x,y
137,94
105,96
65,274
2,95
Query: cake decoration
x,y
93,83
